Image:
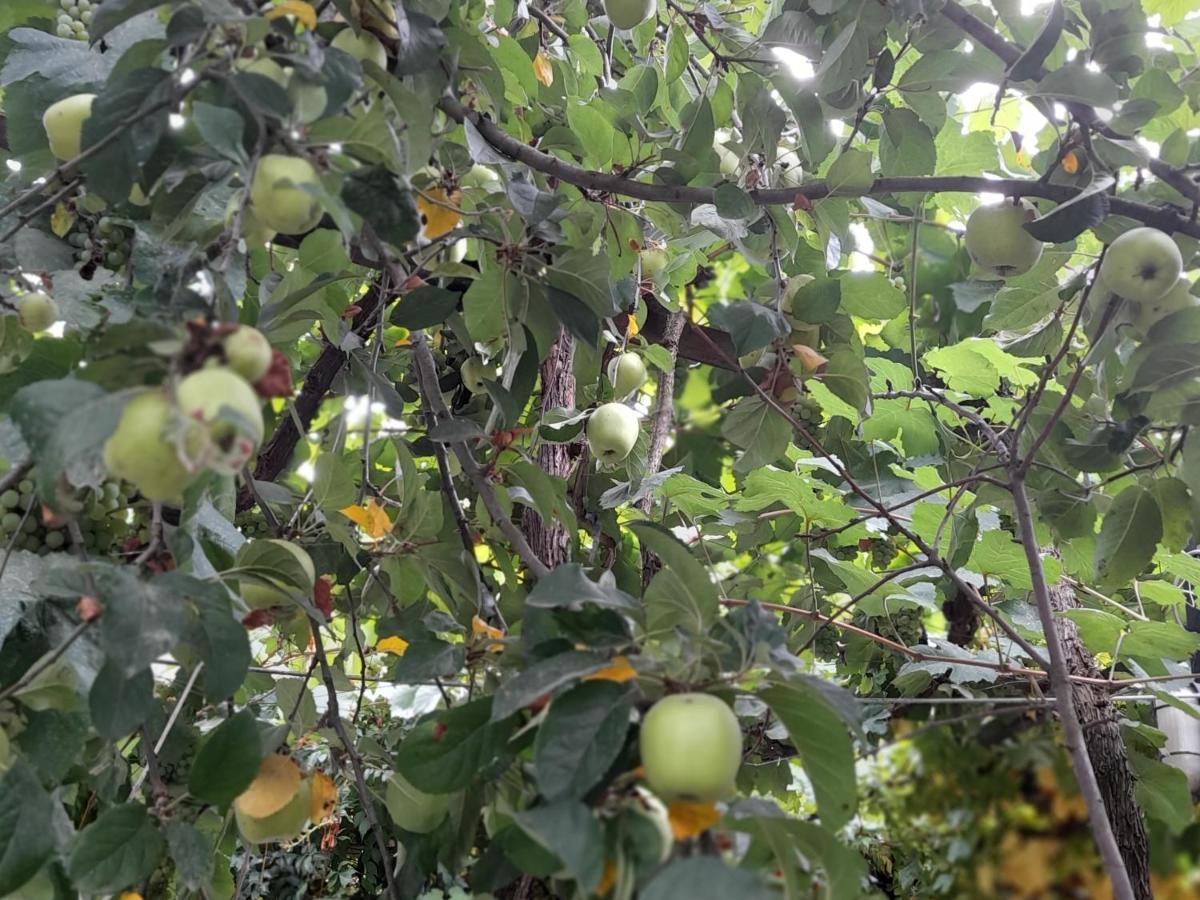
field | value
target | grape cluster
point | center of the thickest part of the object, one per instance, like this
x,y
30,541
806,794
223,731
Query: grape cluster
x,y
21,522
107,243
903,625
74,18
807,409
826,645
105,526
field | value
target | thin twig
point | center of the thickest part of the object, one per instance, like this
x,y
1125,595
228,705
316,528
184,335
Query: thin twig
x,y
356,763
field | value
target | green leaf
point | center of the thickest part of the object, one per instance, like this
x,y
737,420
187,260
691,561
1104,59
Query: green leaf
x,y
1162,791
681,594
1129,533
570,831
850,173
569,586
759,430
26,826
542,678
678,54
384,202
116,851
448,749
751,325
112,13
1078,84
119,703
871,295
580,738
227,761
817,729
192,853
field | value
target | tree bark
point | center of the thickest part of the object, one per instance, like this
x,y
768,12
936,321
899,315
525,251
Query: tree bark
x,y
1102,736
550,540
662,421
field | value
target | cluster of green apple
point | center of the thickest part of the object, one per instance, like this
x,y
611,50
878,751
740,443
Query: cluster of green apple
x,y
73,18
210,420
613,427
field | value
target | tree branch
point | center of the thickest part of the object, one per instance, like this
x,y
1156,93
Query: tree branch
x,y
356,763
432,395
1060,682
1163,218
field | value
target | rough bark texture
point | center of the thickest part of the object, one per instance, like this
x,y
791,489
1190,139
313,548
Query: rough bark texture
x,y
661,423
550,540
1102,734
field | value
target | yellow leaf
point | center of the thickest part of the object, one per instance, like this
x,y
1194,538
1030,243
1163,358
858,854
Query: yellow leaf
x,y
61,220
130,895
393,644
276,783
371,518
1070,163
811,361
607,880
439,212
618,670
689,820
542,70
324,797
480,628
631,329
305,14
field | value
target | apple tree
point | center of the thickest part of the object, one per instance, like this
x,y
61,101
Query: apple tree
x,y
599,448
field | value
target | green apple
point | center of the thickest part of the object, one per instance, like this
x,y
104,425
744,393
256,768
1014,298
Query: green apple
x,y
225,419
729,160
308,100
997,242
629,13
142,449
248,353
479,177
362,46
691,747
63,122
255,232
654,262
36,311
1142,265
475,372
414,810
264,596
264,66
277,194
612,431
627,373
789,176
281,826
1147,314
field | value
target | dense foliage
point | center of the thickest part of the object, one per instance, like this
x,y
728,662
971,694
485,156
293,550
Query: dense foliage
x,y
548,448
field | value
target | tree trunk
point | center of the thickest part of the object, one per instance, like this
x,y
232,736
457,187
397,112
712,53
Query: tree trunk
x,y
1102,734
550,540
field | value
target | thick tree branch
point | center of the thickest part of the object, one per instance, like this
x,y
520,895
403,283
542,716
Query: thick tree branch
x,y
1163,218
275,455
432,396
1060,681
